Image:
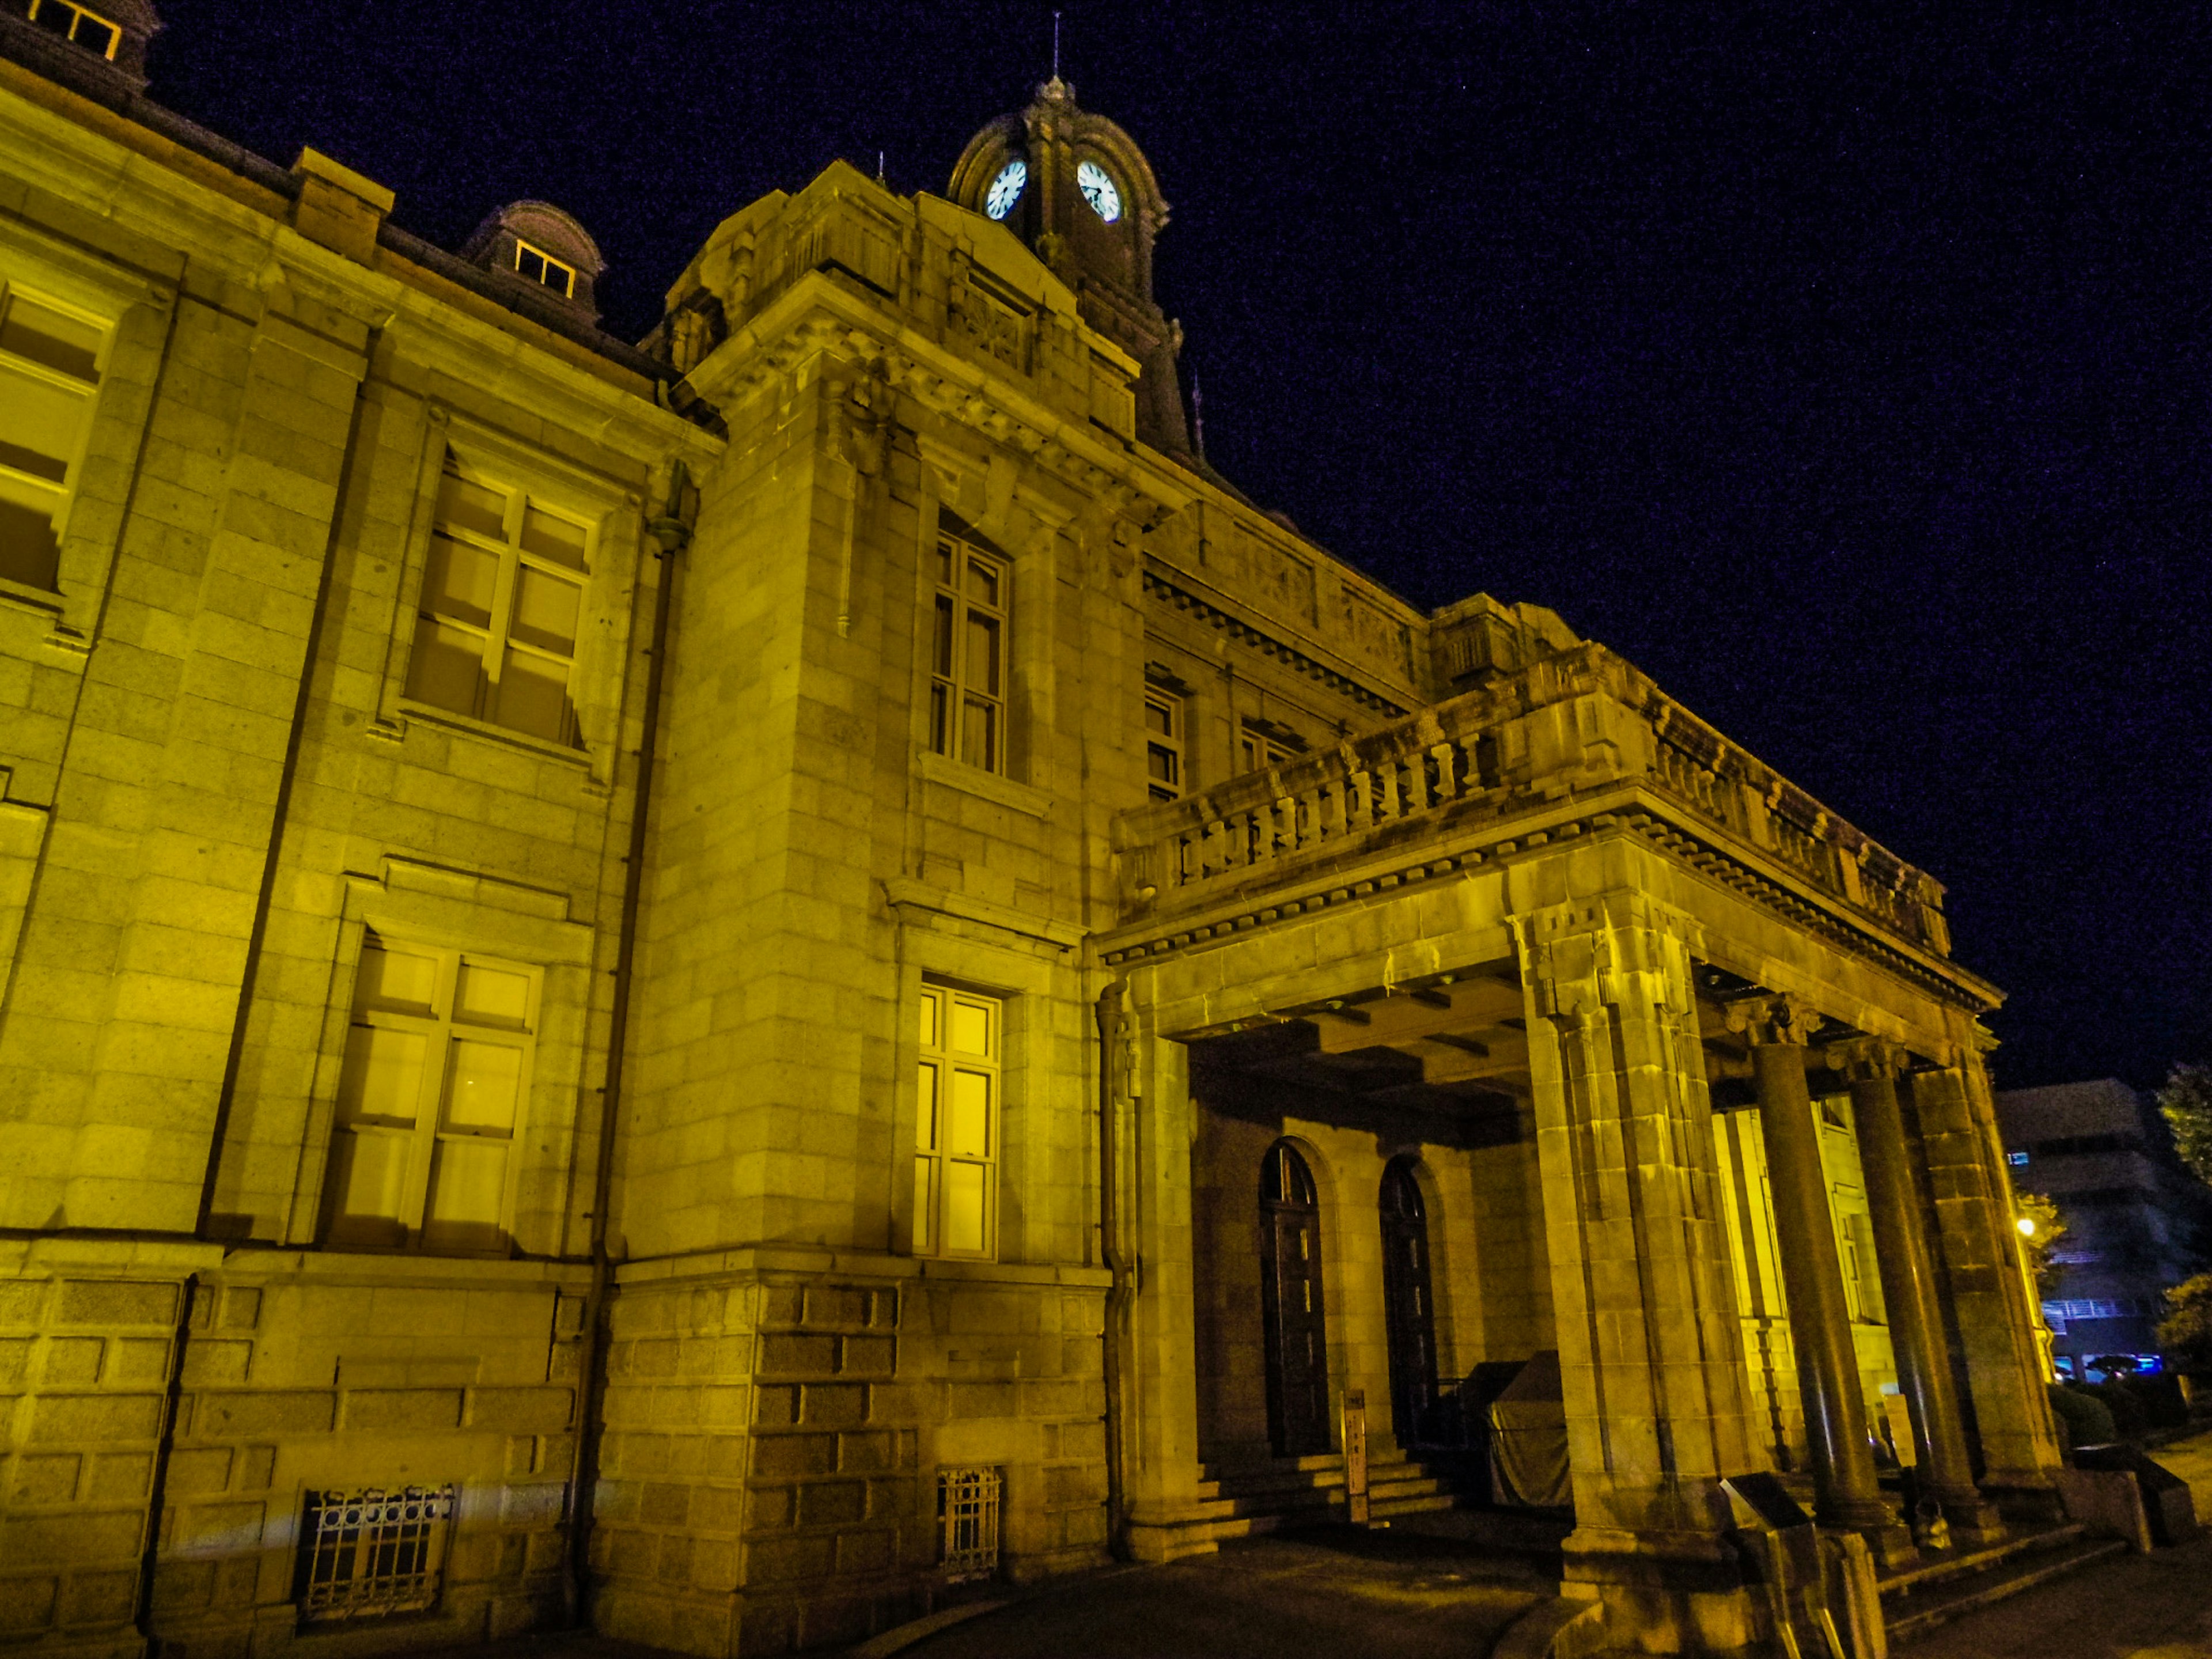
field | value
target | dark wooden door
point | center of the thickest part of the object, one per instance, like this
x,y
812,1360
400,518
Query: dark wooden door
x,y
1408,1306
1291,1307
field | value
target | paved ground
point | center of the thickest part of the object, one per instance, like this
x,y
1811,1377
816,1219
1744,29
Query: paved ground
x,y
1431,1585
2137,1607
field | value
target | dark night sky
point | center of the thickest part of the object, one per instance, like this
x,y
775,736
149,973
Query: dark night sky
x,y
1846,373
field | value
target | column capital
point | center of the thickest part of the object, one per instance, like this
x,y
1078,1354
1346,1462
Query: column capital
x,y
1867,1059
1780,1020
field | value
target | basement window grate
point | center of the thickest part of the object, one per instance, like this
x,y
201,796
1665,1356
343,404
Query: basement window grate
x,y
968,1523
370,1554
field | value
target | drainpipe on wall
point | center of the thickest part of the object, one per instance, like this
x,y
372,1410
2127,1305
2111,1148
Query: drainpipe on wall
x,y
673,533
1113,1047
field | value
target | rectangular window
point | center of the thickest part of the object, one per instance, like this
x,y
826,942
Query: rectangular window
x,y
370,1554
1259,748
1163,746
968,1523
540,267
957,1123
968,655
1866,1283
49,362
73,22
502,599
429,1110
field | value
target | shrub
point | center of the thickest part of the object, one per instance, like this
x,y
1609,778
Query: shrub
x,y
2087,1420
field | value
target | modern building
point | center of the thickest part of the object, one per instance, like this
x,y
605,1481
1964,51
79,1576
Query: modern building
x,y
705,984
2136,1218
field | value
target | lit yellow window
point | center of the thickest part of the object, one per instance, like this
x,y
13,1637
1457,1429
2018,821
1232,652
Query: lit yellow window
x,y
1163,747
430,1103
968,655
956,1125
50,364
542,267
87,30
503,598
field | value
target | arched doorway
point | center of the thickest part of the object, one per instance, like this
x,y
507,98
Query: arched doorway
x,y
1408,1305
1290,1305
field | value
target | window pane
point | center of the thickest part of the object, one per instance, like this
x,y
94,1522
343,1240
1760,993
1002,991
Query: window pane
x,y
981,668
29,552
922,1169
929,1000
461,581
983,581
39,422
367,1187
964,1207
940,704
545,610
944,562
971,1027
530,262
967,1124
468,1196
400,980
979,735
447,669
533,697
93,33
382,1082
940,650
551,537
925,1109
481,1082
492,996
57,18
470,506
1159,717
1165,762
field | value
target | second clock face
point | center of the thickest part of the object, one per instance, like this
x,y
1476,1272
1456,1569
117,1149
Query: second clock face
x,y
1007,189
1097,187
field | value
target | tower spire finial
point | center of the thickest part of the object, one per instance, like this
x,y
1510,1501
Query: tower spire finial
x,y
1055,45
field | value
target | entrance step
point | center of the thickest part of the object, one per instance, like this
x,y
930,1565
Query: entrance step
x,y
1916,1599
1238,1500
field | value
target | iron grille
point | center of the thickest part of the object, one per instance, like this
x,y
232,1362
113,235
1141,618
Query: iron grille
x,y
374,1552
968,1523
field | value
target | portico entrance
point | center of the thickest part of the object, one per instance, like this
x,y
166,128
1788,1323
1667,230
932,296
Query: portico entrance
x,y
1409,1306
1291,1308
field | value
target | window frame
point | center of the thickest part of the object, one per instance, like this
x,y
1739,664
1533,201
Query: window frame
x,y
1260,749
114,29
62,493
953,609
547,261
1171,744
938,1062
425,1138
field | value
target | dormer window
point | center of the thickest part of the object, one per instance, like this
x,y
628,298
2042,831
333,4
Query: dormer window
x,y
540,267
74,24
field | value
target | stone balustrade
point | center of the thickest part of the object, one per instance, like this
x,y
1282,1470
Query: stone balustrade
x,y
1577,727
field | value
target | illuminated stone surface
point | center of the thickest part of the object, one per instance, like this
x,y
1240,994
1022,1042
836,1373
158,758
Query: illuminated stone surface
x,y
1460,887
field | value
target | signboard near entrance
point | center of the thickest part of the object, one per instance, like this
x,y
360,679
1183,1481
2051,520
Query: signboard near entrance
x,y
1355,1453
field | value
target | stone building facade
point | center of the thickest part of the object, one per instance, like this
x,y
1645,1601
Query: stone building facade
x,y
705,984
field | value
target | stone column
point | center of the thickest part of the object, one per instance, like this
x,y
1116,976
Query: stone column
x,y
1980,1279
1845,1492
1650,1344
1909,1287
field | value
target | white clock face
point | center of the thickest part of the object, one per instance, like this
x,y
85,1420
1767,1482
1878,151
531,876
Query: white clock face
x,y
1007,189
1097,187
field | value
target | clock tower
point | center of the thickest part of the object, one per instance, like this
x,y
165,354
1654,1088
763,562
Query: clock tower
x,y
1074,187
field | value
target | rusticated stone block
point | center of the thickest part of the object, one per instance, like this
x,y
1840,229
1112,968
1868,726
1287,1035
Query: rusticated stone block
x,y
664,1503
773,1561
981,1399
836,1405
19,1301
782,1455
98,1598
1057,1397
830,1305
775,1405
95,1417
67,1540
519,1410
217,1529
782,1304
784,1352
864,1454
14,1359
874,1354
224,1416
832,1504
47,1479
217,1362
198,1470
27,1604
402,1409
864,1552
72,1359
717,1508
771,1509
120,1478
256,1467
116,1302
